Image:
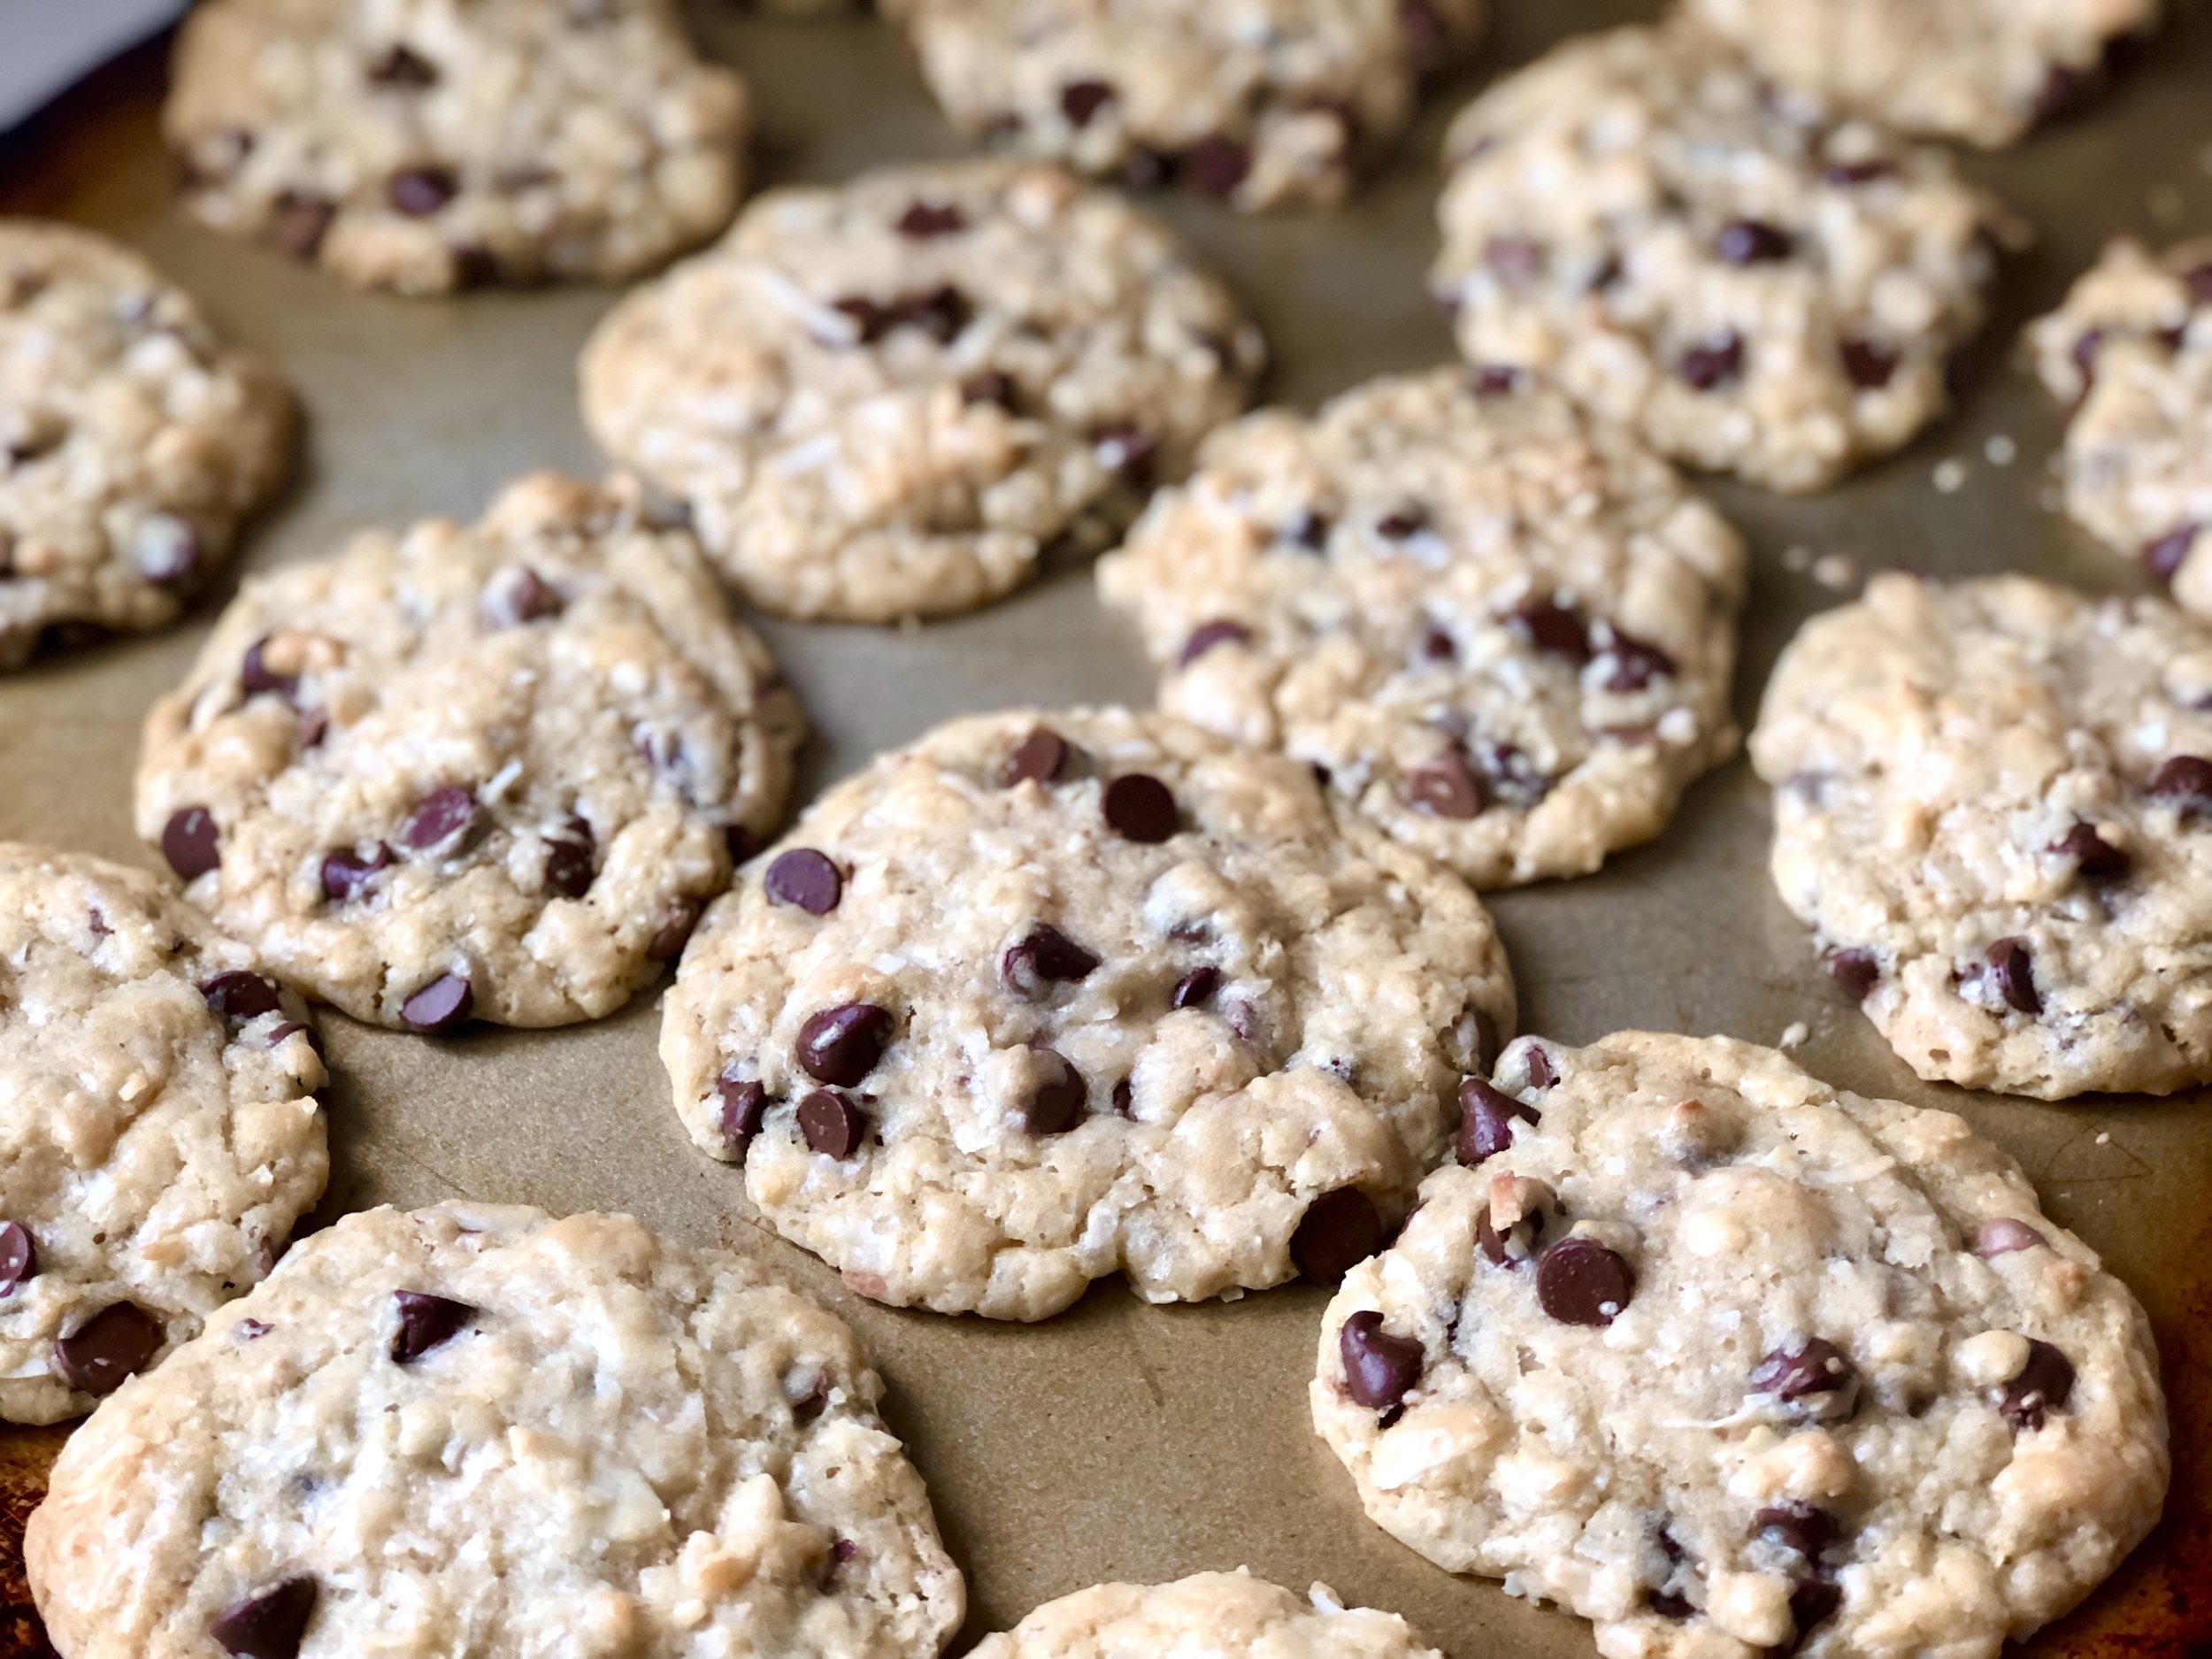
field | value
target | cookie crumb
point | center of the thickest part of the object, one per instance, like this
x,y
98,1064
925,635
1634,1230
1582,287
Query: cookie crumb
x,y
2001,450
1795,1035
1950,477
1836,572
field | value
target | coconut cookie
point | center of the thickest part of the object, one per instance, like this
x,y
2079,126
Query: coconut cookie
x,y
1983,71
1047,997
2130,354
892,398
1732,1364
492,771
1256,103
159,1131
1208,1616
1990,805
429,145
1501,630
478,1430
133,441
1638,218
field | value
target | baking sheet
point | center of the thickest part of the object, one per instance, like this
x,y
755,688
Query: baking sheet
x,y
1118,1440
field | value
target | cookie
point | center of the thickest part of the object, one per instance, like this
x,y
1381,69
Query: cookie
x,y
1731,1362
479,1430
429,145
1983,71
1208,1616
891,398
2130,353
1990,805
1500,629
1754,290
159,1133
133,441
1046,997
1255,102
492,771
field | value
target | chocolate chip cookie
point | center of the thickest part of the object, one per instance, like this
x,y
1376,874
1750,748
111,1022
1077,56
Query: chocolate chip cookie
x,y
1756,290
1983,71
2130,354
1990,806
159,1133
1047,997
489,771
891,399
429,145
1500,629
479,1430
1729,1361
133,441
1208,1616
1255,102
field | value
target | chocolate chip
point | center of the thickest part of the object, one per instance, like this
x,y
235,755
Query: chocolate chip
x,y
1379,1370
2096,858
1496,380
301,222
164,548
1516,260
425,1322
1128,453
1811,1600
1542,1073
1753,242
1124,1099
402,67
1215,166
1715,364
942,314
1197,987
988,386
521,597
870,320
831,1125
842,1045
1446,787
1038,759
1058,1103
445,1002
2185,782
740,842
1143,169
99,1355
312,727
1818,1369
1870,365
1492,1243
191,843
1797,1526
270,1625
1580,1281
1339,1230
744,1103
419,192
1856,972
2002,1235
1402,525
1040,959
1140,807
2064,91
668,943
1486,1120
2044,1385
1667,1604
1844,175
347,874
1438,646
1636,664
446,815
1211,635
257,678
240,995
1080,100
570,858
1308,530
805,880
926,221
2013,966
1552,628
19,1257
2165,556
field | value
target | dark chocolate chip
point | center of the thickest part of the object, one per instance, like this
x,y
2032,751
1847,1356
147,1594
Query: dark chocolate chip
x,y
1812,1601
942,314
1124,1099
1844,175
2044,1386
1870,365
2165,556
241,995
347,874
270,1625
1211,635
1438,646
870,320
1143,169
1127,453
988,385
300,223
571,859
1715,364
1856,972
474,266
744,1103
2064,90
403,67
1040,959
445,1002
2097,858
1215,166
2002,1235
1492,1243
448,815
1339,1230
1553,629
257,678
191,843
1495,380
1140,807
1541,1072
2184,781
1081,100
425,1322
1058,1103
312,727
1817,1367
1379,1370
1516,260
805,880
1486,1120
19,1257
1754,242
1636,664
99,1355
2013,966
831,1125
1402,525
926,221
1040,757
1580,1281
740,842
1797,1526
1667,1604
523,597
1308,530
1446,787
1197,987
419,192
668,944
842,1045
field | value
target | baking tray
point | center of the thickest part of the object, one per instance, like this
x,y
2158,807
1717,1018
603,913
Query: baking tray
x,y
1120,1441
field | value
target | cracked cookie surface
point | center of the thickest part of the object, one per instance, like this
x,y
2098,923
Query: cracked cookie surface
x,y
492,771
1503,630
1732,1362
1207,1616
1045,997
667,1455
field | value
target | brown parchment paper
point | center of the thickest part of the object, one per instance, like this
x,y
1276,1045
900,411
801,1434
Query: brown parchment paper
x,y
1122,1442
